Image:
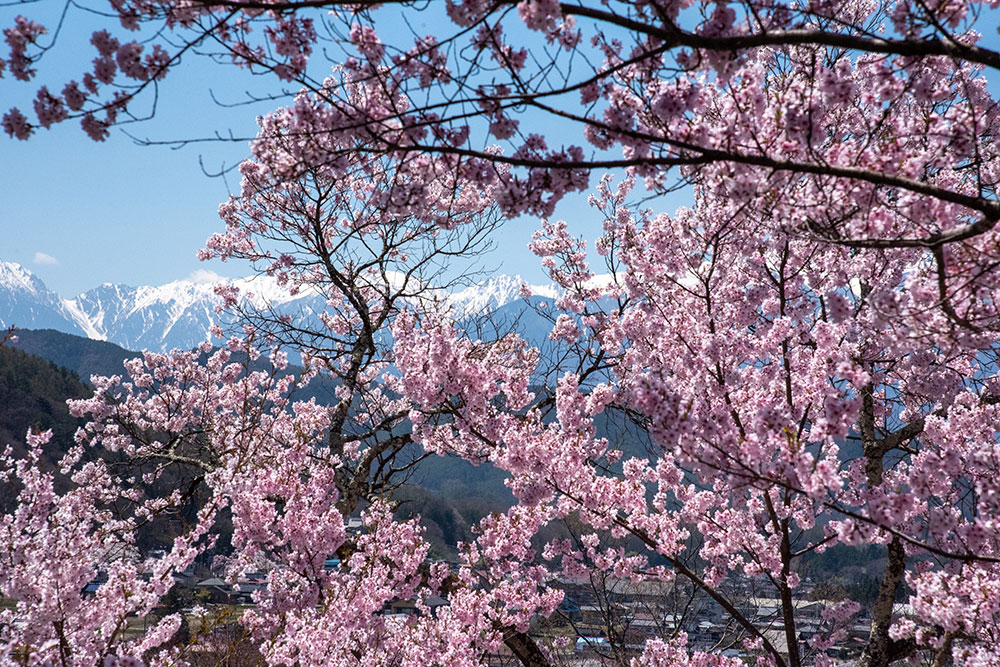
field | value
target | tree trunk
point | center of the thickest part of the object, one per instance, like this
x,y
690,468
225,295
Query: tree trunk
x,y
525,649
879,650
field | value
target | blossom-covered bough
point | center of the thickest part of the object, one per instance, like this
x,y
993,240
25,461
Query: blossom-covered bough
x,y
810,349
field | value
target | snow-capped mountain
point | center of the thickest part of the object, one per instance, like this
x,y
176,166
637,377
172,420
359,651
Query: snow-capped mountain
x,y
25,301
492,294
180,313
177,314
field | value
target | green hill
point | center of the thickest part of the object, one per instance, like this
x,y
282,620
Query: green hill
x,y
83,356
33,394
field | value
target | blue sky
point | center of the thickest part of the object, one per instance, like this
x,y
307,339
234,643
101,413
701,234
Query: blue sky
x,y
80,213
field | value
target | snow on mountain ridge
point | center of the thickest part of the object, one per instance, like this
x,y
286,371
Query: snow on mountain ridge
x,y
83,321
25,301
180,313
15,276
185,292
494,293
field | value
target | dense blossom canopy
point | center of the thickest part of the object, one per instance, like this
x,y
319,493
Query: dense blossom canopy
x,y
806,356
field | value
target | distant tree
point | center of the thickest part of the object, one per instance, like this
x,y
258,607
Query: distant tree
x,y
810,349
831,589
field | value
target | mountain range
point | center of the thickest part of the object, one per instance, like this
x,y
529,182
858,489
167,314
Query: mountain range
x,y
180,313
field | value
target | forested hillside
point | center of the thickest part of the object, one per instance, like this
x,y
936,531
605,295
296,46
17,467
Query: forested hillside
x,y
33,393
83,356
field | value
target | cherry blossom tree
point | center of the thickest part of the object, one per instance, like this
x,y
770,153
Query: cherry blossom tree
x,y
810,349
371,237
